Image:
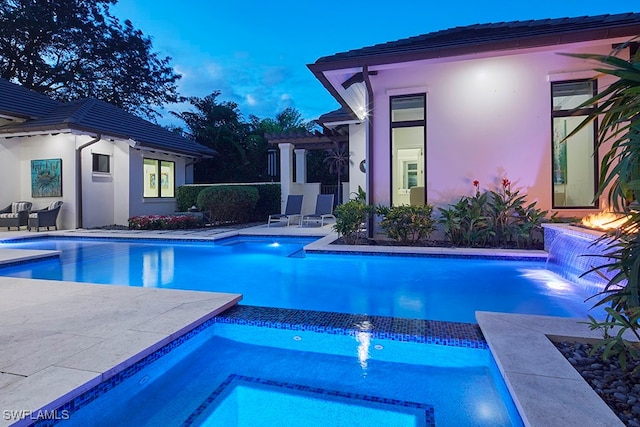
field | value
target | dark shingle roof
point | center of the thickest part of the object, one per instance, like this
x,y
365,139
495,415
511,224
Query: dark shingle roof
x,y
489,37
97,117
20,102
339,115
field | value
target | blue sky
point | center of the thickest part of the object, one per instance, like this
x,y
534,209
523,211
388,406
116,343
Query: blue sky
x,y
255,51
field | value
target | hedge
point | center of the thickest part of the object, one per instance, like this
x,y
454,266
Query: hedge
x,y
268,203
228,203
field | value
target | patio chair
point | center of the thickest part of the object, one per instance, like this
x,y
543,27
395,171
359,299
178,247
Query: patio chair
x,y
15,215
292,209
46,217
324,209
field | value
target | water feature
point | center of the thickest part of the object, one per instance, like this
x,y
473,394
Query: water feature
x,y
572,252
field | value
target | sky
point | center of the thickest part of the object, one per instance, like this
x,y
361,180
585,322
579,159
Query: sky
x,y
255,52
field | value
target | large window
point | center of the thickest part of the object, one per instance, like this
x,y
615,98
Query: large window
x,y
407,150
159,178
574,163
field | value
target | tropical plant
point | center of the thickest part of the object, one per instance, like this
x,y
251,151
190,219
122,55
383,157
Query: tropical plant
x,y
407,223
617,108
466,223
351,220
337,159
73,49
499,218
502,212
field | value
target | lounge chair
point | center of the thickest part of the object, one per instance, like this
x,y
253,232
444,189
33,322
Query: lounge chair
x,y
324,209
293,209
15,215
46,217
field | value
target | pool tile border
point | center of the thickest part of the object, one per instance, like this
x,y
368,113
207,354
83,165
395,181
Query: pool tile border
x,y
429,418
390,328
398,329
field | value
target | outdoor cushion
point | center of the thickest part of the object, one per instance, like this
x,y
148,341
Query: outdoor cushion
x,y
20,206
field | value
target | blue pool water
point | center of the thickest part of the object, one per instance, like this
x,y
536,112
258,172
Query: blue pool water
x,y
276,273
238,375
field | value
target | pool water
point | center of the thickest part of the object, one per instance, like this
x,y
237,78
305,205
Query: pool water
x,y
238,375
275,272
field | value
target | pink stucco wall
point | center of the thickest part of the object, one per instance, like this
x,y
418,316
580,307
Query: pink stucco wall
x,y
487,118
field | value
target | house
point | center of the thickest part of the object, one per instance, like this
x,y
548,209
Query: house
x,y
427,116
105,164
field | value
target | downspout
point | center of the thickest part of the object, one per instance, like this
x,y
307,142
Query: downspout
x,y
79,179
369,145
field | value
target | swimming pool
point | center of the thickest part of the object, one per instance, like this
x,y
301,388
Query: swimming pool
x,y
275,272
281,373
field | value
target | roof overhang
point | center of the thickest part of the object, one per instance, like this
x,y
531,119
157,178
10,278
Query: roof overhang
x,y
7,132
341,74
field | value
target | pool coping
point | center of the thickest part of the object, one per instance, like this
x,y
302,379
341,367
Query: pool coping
x,y
61,341
546,389
542,383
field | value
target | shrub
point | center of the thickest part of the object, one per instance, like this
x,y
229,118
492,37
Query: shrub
x,y
493,218
164,222
466,223
351,219
187,196
269,196
228,203
407,224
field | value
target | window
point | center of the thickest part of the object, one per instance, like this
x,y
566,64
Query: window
x,y
407,149
159,178
574,164
101,163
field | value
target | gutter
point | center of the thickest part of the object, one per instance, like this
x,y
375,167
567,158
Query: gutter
x,y
79,179
369,146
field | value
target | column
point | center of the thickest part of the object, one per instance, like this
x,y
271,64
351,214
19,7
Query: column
x,y
301,165
286,171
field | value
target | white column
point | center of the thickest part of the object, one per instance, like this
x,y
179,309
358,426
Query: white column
x,y
286,171
301,165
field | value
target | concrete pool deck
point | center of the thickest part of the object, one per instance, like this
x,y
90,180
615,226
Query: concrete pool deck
x,y
59,338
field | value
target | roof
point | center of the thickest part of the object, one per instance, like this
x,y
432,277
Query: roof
x,y
485,38
308,140
19,102
340,115
95,117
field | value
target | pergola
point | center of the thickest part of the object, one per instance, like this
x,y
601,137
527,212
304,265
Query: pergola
x,y
298,143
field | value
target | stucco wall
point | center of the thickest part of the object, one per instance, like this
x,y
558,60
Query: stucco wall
x,y
15,171
487,119
139,205
357,153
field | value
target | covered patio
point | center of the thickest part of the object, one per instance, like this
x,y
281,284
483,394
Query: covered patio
x,y
294,147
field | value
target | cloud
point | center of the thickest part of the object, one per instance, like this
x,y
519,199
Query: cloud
x,y
260,90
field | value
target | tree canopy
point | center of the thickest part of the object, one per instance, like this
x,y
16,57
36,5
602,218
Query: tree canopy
x,y
241,145
73,49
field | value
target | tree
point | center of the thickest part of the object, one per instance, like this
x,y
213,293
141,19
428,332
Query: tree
x,y
337,158
73,49
218,125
